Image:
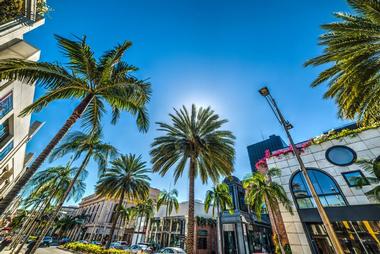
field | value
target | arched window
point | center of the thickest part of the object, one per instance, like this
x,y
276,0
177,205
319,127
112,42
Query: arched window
x,y
326,188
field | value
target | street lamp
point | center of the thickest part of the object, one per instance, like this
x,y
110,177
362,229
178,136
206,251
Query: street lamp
x,y
287,126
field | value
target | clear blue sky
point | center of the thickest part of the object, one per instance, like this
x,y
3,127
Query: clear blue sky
x,y
208,52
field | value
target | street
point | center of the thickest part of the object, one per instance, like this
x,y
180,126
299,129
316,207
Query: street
x,y
50,250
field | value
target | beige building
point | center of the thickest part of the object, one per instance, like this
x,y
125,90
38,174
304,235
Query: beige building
x,y
16,131
331,164
97,215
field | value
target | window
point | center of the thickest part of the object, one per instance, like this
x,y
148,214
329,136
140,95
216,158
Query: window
x,y
327,191
6,104
341,155
4,130
202,243
242,205
355,178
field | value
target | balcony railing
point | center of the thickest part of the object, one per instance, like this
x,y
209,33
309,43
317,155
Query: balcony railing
x,y
6,105
11,10
6,150
21,10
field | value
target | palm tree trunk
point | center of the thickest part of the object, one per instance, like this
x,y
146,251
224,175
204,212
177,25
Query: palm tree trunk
x,y
27,223
190,223
61,202
108,244
138,232
220,232
274,224
4,203
34,223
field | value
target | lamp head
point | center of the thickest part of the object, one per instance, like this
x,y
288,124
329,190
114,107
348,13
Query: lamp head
x,y
264,91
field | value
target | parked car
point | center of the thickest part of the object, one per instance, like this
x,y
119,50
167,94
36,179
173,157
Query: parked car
x,y
116,245
64,240
83,241
96,242
171,250
47,241
139,247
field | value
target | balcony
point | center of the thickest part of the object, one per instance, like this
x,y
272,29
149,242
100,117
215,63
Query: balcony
x,y
5,175
6,105
20,16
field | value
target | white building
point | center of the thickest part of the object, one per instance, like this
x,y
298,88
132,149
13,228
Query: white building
x,y
332,167
16,131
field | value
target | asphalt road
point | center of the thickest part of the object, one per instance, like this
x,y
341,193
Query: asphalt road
x,y
50,250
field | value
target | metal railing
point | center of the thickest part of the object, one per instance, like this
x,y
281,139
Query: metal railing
x,y
13,12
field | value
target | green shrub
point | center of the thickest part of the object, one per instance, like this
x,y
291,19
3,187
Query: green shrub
x,y
92,248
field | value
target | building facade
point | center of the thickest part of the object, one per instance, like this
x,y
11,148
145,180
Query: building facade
x,y
97,213
343,187
15,131
243,233
171,230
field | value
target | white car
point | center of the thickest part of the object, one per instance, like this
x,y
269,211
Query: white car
x,y
171,250
137,247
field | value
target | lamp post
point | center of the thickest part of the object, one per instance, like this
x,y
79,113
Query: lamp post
x,y
287,126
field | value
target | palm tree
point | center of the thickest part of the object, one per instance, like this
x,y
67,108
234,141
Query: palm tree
x,y
219,197
352,52
127,178
94,82
169,199
127,214
52,183
260,193
145,210
373,168
194,138
64,224
80,143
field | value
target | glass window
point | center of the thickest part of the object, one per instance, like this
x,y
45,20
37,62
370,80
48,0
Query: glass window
x,y
328,192
355,178
202,243
341,155
242,205
4,130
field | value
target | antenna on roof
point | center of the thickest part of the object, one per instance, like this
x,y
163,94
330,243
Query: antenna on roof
x,y
262,135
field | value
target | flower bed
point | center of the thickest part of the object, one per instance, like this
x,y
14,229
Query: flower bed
x,y
91,248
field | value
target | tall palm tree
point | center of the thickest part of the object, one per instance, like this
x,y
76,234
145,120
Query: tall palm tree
x,y
54,181
145,210
94,83
195,138
219,197
352,52
80,143
169,199
262,193
127,178
373,168
127,214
